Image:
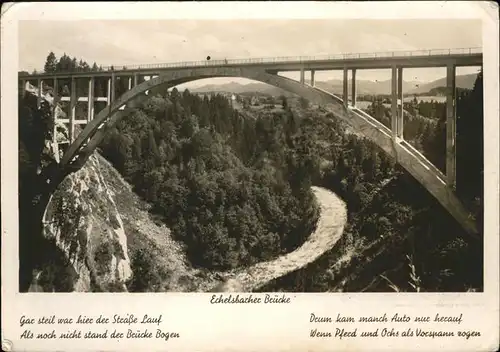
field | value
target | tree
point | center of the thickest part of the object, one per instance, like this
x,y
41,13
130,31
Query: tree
x,y
115,148
284,102
50,63
174,95
304,103
189,126
151,147
64,64
83,66
147,274
74,65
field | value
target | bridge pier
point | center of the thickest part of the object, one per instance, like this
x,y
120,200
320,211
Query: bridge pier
x,y
39,95
302,76
451,121
55,89
345,96
353,88
136,79
55,93
90,111
394,102
111,89
400,115
108,93
312,78
72,112
129,83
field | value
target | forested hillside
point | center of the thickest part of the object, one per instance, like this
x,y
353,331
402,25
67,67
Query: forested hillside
x,y
235,191
398,236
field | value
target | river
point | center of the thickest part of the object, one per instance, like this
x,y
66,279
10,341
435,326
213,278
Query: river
x,y
332,219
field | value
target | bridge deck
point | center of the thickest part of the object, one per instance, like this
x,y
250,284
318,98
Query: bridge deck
x,y
405,59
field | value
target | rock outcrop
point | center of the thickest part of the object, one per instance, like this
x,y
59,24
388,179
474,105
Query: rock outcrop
x,y
83,222
84,235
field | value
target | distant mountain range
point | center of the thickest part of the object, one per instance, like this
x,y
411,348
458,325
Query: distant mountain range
x,y
462,81
335,86
238,88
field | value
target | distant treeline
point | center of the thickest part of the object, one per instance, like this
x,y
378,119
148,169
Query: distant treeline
x,y
67,64
386,98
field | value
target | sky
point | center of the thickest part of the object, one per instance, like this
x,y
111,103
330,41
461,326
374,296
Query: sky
x,y
128,42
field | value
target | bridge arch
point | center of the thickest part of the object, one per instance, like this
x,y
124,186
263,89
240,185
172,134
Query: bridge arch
x,y
420,168
88,140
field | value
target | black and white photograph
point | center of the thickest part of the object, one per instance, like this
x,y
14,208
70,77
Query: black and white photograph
x,y
259,155
250,176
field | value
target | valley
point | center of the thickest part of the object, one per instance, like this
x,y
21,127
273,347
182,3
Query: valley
x,y
237,190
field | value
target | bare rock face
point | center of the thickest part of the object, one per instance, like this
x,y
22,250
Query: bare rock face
x,y
82,220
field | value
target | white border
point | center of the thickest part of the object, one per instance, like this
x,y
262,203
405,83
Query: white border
x,y
224,327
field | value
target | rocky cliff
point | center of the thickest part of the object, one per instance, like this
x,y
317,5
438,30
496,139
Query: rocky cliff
x,y
82,235
83,222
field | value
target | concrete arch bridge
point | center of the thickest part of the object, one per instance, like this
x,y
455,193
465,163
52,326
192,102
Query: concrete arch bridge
x,y
135,88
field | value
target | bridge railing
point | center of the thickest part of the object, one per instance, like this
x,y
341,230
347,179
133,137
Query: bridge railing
x,y
287,59
298,59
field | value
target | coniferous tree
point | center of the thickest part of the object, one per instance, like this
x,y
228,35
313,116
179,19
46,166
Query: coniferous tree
x,y
51,63
73,64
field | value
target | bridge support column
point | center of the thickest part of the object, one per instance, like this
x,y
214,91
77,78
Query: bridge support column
x,y
108,93
55,93
147,78
312,78
394,101
129,83
400,115
450,126
55,89
353,87
345,96
72,111
39,95
302,76
90,111
111,89
136,79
